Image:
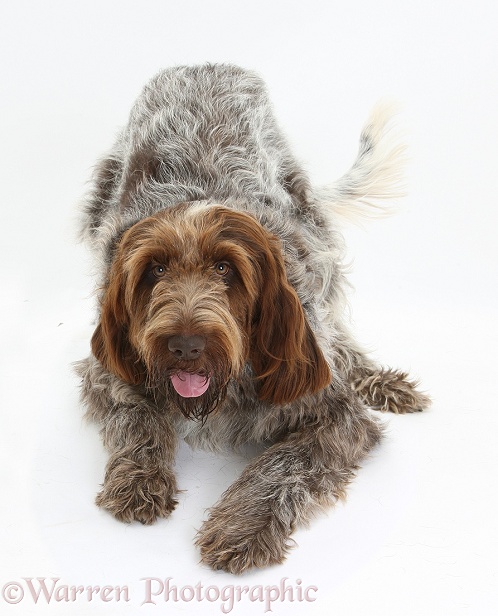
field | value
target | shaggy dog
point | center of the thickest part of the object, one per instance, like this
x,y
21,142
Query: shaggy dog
x,y
221,313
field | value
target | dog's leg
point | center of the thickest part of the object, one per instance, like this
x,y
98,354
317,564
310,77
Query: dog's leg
x,y
307,470
139,483
379,388
388,390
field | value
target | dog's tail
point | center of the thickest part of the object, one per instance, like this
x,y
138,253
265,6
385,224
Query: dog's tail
x,y
377,174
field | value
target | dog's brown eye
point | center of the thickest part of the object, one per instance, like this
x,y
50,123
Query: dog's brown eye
x,y
222,268
159,271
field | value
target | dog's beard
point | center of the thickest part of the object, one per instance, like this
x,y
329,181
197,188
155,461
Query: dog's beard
x,y
196,408
200,407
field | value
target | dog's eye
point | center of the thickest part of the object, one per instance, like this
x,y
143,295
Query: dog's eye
x,y
222,268
159,271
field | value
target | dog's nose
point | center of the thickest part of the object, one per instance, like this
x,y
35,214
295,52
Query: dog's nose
x,y
186,347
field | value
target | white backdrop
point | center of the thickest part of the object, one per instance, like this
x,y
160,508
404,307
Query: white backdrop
x,y
418,533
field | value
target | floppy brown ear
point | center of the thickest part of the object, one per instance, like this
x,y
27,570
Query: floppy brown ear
x,y
285,354
110,342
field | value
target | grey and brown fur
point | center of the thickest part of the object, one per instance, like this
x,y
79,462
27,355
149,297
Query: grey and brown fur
x,y
203,168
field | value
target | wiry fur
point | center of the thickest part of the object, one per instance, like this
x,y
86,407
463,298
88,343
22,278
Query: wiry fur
x,y
202,174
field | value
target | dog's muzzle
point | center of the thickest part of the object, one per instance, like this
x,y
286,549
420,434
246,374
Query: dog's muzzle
x,y
188,348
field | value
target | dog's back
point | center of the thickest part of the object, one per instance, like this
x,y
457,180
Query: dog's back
x,y
195,133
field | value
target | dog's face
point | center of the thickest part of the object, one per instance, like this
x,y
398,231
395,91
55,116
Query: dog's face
x,y
194,293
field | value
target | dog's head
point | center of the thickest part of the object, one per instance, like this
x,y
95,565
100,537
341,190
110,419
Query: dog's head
x,y
193,294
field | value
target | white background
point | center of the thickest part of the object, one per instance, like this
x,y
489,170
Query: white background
x,y
418,534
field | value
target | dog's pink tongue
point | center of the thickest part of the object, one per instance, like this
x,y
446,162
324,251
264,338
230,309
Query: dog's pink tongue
x,y
189,385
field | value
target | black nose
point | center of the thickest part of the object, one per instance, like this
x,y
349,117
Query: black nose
x,y
186,347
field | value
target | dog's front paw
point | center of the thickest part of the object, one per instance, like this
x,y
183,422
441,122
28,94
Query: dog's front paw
x,y
131,492
236,543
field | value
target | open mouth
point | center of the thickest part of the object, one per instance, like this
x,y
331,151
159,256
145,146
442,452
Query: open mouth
x,y
190,385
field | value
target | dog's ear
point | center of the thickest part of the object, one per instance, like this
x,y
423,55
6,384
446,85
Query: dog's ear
x,y
285,354
110,343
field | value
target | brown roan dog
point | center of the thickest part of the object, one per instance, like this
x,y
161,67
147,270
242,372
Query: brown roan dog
x,y
222,313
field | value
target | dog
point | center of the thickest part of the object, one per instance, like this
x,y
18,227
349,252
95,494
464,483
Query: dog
x,y
221,313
